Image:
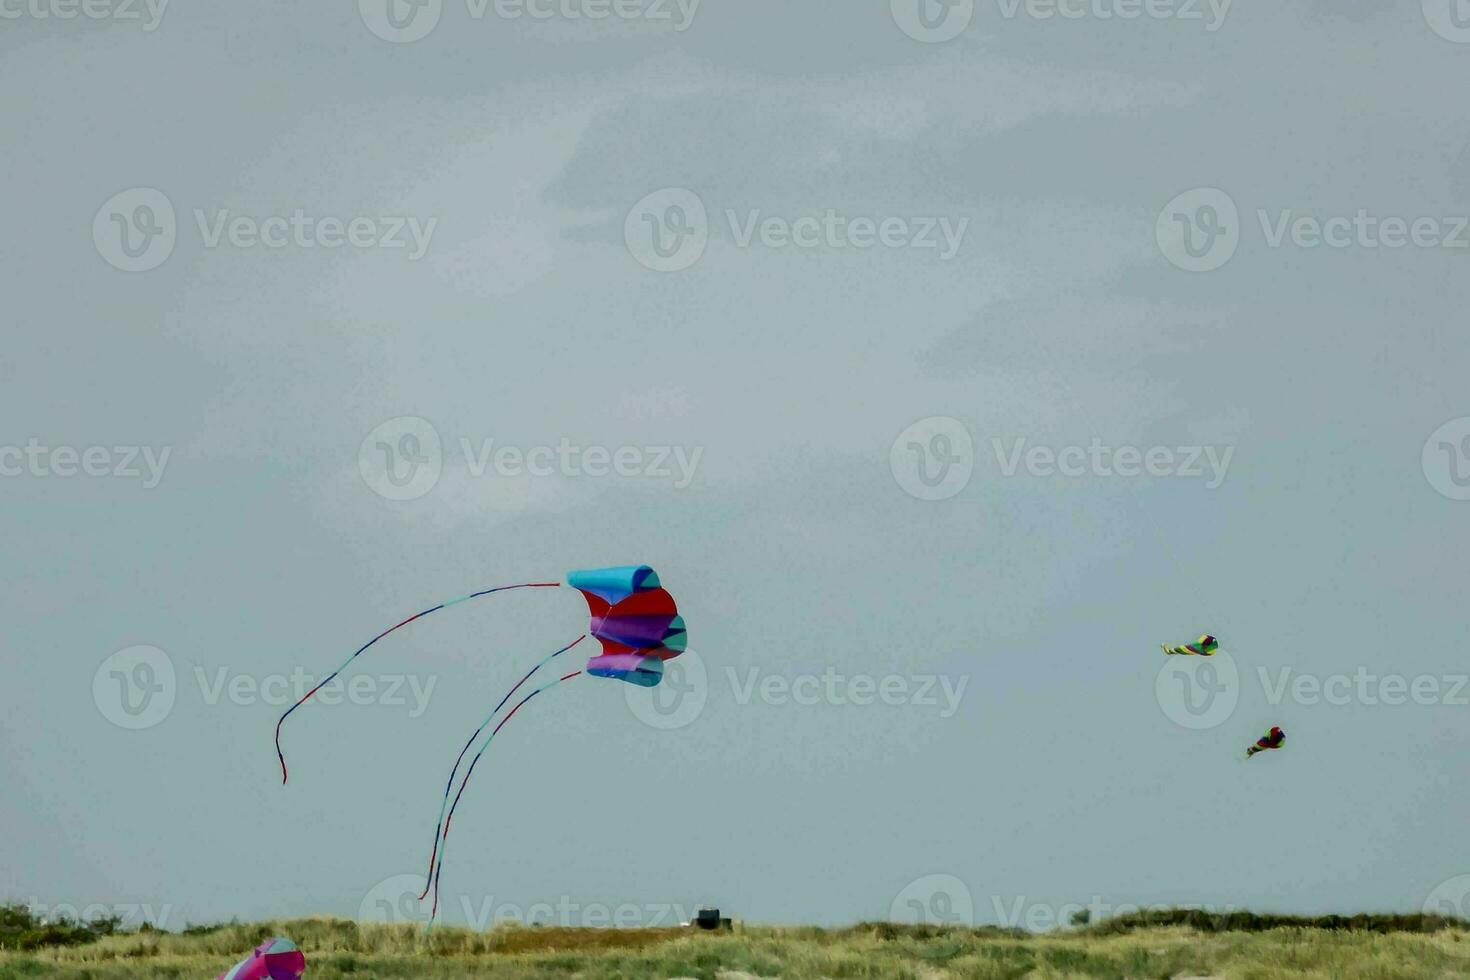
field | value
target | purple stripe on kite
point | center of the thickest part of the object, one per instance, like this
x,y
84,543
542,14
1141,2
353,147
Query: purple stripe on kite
x,y
631,667
633,631
623,662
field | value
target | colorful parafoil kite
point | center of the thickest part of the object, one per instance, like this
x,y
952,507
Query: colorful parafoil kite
x,y
1274,739
639,627
274,959
1205,646
633,618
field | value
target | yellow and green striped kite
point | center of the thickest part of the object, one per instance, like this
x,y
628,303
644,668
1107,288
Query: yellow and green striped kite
x,y
1205,646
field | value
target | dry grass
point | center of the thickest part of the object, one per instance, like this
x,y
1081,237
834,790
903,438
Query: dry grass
x,y
337,950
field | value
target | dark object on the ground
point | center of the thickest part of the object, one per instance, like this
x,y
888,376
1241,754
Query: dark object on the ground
x,y
708,918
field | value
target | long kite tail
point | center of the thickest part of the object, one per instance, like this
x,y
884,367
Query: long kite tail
x,y
438,871
449,786
443,605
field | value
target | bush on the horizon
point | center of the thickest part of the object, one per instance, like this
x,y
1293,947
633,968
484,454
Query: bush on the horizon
x,y
1203,920
339,949
21,929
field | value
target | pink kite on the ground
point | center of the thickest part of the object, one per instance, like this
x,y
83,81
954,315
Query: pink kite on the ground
x,y
274,959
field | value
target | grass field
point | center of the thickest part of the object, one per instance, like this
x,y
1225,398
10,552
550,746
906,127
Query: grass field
x,y
337,949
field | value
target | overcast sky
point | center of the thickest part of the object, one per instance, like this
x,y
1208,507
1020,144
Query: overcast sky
x,y
945,361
